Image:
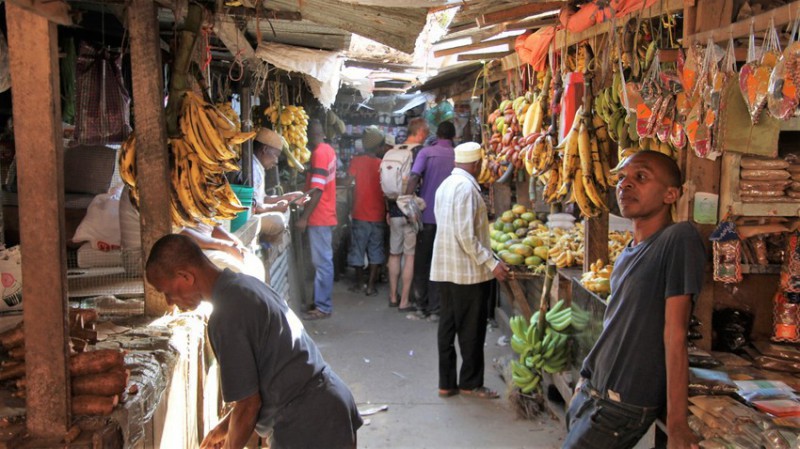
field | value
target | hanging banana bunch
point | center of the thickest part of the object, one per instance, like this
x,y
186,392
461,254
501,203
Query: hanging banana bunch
x,y
291,122
199,159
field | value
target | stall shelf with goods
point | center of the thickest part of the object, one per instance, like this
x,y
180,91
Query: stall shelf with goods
x,y
728,177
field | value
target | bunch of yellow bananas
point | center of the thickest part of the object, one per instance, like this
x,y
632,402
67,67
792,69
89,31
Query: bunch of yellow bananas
x,y
200,158
585,169
567,251
291,122
596,280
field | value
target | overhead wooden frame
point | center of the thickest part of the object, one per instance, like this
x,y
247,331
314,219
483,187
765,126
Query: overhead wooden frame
x,y
484,56
476,46
564,38
517,12
782,15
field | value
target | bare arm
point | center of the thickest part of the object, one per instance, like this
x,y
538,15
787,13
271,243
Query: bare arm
x,y
413,182
314,197
676,325
242,421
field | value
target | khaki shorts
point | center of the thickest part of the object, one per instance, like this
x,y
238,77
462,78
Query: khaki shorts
x,y
402,238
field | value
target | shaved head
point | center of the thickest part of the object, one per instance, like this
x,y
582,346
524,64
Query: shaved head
x,y
661,162
171,253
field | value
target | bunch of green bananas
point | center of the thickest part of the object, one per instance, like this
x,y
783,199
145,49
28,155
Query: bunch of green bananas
x,y
541,350
291,122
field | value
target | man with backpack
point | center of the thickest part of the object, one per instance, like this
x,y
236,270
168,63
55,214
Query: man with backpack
x,y
431,166
395,170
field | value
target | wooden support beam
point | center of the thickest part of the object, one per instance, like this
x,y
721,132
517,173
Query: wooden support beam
x,y
595,240
33,57
242,11
56,11
383,66
477,46
484,56
782,16
661,8
517,12
152,160
233,38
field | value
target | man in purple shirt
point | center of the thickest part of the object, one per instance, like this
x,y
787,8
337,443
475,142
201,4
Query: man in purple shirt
x,y
431,166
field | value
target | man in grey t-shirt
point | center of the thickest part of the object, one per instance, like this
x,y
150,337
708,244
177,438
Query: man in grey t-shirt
x,y
639,364
270,368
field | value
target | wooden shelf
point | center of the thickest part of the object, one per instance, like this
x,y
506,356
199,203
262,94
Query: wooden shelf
x,y
729,200
781,15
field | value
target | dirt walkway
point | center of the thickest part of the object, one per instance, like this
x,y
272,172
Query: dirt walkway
x,y
390,360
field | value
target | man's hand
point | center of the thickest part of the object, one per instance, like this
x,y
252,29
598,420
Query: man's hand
x,y
291,196
682,437
235,250
280,206
216,438
500,271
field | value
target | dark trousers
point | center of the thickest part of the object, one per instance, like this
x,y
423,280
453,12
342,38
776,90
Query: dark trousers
x,y
425,292
596,422
463,313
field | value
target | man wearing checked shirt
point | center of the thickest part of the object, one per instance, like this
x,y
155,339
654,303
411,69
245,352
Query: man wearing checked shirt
x,y
463,265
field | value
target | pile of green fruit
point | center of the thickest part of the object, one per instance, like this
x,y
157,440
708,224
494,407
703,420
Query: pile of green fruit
x,y
517,238
543,347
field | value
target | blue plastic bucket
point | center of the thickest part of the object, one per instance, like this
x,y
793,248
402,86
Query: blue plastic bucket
x,y
245,195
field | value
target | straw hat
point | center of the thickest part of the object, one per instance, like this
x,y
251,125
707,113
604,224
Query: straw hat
x,y
270,138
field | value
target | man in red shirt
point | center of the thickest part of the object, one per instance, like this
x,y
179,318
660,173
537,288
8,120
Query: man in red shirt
x,y
319,216
369,212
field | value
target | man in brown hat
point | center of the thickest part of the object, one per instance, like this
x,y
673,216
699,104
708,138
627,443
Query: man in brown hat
x,y
266,151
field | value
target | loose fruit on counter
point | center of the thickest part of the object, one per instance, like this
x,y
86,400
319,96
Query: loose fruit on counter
x,y
520,239
596,280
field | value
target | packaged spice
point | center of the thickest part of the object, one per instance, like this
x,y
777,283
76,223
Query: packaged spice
x,y
790,272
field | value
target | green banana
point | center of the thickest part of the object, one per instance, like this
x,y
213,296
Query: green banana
x,y
530,386
519,345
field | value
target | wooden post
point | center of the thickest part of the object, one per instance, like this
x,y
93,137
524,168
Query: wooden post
x,y
595,240
247,125
152,158
33,57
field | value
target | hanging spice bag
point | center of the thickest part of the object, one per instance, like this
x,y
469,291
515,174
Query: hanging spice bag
x,y
755,74
103,106
783,100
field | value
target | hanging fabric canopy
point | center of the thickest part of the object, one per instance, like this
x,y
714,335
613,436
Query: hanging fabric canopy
x,y
321,69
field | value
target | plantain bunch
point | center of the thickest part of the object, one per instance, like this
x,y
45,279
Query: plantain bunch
x,y
199,159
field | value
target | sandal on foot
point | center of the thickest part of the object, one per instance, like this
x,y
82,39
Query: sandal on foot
x,y
316,314
394,304
410,308
447,393
481,392
368,292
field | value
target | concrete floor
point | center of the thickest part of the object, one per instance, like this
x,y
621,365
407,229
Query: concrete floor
x,y
387,359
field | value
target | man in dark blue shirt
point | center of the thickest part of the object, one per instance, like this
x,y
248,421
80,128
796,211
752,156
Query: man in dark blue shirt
x,y
270,368
639,364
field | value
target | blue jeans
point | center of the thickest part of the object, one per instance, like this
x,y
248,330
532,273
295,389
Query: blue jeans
x,y
319,237
367,237
596,422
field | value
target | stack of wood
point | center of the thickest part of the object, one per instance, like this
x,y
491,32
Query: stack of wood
x,y
98,378
764,180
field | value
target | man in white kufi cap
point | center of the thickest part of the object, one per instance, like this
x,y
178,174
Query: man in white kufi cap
x,y
463,266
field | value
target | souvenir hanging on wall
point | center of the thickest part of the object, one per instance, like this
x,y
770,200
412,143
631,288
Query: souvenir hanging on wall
x,y
790,272
727,251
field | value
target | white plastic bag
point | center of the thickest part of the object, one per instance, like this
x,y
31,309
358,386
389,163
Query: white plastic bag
x,y
100,226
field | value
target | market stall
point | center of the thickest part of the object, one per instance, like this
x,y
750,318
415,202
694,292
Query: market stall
x,y
605,82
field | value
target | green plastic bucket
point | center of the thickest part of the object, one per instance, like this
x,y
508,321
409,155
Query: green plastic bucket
x,y
245,195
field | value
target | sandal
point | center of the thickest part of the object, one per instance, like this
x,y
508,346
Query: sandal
x,y
481,392
371,292
447,393
316,314
410,308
